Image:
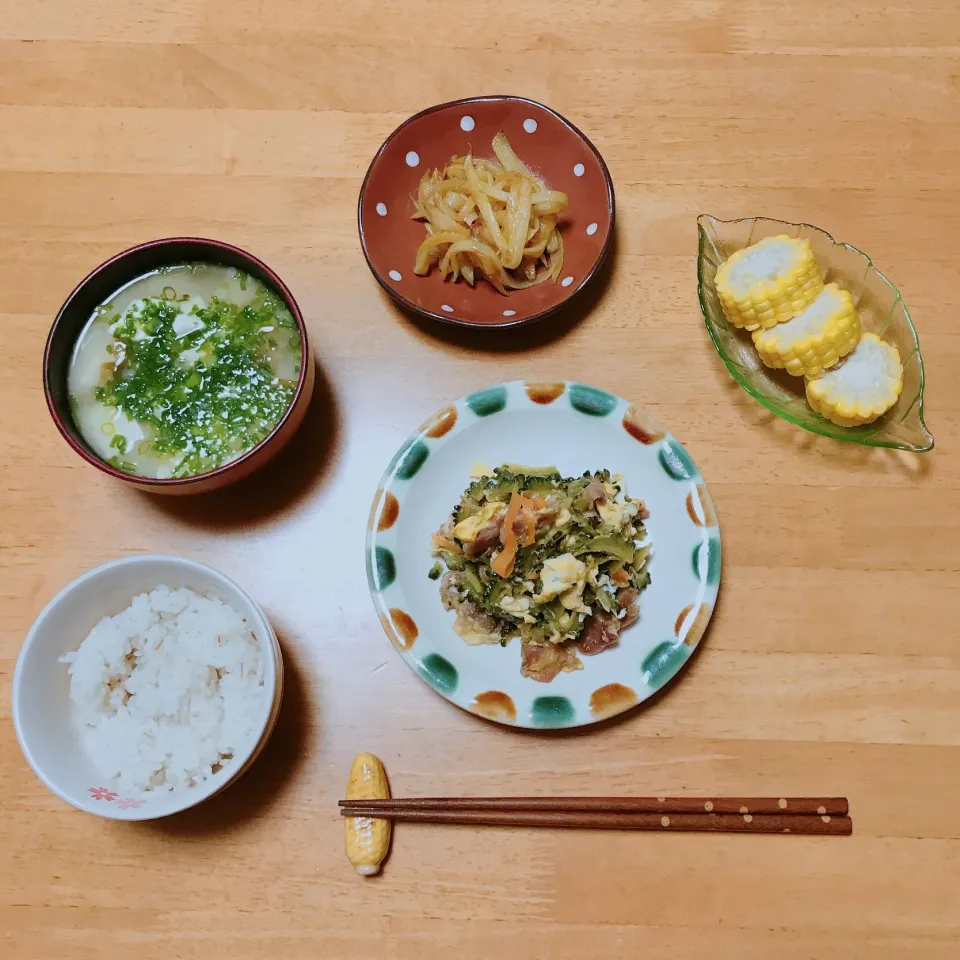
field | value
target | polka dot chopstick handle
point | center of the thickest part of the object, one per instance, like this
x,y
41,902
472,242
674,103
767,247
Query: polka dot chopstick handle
x,y
777,806
804,816
800,824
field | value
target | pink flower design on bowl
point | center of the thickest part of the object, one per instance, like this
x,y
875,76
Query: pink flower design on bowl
x,y
129,803
102,793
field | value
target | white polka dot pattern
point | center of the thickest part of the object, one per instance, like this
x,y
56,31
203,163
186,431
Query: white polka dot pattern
x,y
509,313
566,281
467,124
530,125
413,159
395,275
446,308
591,230
382,209
579,170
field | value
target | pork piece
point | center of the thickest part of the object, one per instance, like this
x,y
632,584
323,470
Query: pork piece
x,y
543,661
594,494
600,630
628,602
475,627
518,529
450,589
486,539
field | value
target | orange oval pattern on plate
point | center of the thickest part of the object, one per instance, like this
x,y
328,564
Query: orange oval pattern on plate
x,y
612,699
390,512
544,393
704,517
697,628
494,705
642,426
441,423
405,627
400,628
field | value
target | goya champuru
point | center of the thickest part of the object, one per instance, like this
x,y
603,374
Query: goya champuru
x,y
814,340
769,282
861,388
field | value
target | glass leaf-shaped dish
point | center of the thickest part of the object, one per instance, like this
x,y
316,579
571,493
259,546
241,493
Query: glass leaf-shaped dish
x,y
882,311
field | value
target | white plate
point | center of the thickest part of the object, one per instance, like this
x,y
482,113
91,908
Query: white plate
x,y
575,428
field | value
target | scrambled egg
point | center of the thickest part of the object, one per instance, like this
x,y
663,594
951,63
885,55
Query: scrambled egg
x,y
616,514
467,530
560,575
518,607
480,470
573,600
473,634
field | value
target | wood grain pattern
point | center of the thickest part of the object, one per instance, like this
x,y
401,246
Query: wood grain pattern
x,y
831,666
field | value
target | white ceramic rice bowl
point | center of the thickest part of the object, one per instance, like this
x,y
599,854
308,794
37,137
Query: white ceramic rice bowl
x,y
42,709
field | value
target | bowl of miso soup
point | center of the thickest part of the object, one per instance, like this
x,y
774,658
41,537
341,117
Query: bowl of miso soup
x,y
179,365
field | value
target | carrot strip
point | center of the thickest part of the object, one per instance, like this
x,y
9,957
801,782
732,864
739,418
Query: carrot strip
x,y
502,562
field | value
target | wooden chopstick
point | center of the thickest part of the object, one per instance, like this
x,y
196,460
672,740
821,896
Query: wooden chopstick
x,y
774,806
802,824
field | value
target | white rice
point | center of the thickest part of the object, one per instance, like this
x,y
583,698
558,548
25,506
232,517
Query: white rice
x,y
168,691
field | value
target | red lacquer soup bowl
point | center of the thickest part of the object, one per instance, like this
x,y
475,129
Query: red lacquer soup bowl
x,y
102,284
548,143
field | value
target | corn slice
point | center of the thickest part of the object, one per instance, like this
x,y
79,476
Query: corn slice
x,y
815,340
768,283
861,388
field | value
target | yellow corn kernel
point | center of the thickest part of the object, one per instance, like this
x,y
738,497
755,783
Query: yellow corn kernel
x,y
815,340
769,282
367,839
865,385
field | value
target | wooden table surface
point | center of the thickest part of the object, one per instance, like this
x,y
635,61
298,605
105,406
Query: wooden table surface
x,y
832,666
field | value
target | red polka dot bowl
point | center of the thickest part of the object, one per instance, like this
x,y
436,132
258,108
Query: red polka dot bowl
x,y
547,142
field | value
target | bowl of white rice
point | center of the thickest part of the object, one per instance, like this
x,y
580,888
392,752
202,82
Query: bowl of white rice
x,y
145,687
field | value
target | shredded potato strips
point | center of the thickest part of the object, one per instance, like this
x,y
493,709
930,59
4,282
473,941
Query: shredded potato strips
x,y
490,218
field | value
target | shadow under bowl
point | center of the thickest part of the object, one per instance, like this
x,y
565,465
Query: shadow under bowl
x,y
102,284
548,143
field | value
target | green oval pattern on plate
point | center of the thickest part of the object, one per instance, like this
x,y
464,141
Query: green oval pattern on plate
x,y
383,571
412,459
439,672
486,402
663,661
591,401
706,561
551,712
676,461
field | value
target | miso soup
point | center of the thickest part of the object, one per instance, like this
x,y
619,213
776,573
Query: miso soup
x,y
183,370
